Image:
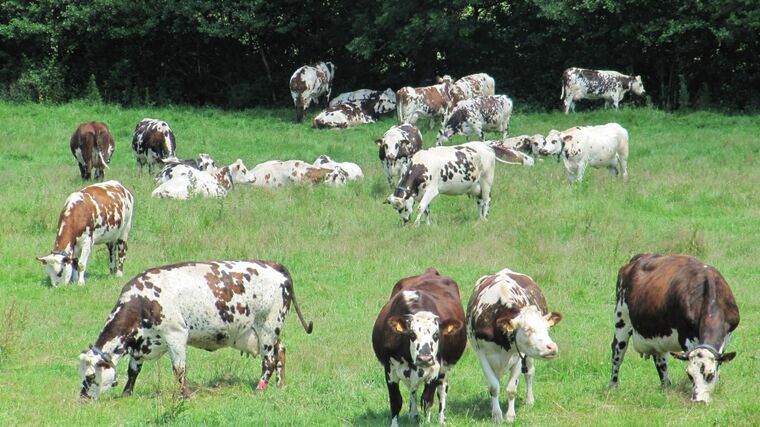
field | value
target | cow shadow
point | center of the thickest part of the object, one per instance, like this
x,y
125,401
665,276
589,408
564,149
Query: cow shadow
x,y
220,382
475,408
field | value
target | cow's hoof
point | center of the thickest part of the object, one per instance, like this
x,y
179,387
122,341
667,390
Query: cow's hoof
x,y
511,418
497,417
119,273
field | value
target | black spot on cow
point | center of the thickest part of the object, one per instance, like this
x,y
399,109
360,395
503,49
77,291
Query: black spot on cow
x,y
621,344
620,324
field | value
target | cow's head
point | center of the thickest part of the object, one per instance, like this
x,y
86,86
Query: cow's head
x,y
703,369
238,172
105,147
403,201
637,86
60,267
530,330
97,372
455,123
205,162
552,143
424,330
535,143
393,146
337,177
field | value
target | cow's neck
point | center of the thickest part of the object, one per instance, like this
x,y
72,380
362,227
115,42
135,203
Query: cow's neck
x,y
113,348
66,239
712,323
118,331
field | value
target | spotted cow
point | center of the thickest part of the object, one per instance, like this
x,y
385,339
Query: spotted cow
x,y
309,83
153,143
476,115
468,87
204,162
528,144
508,327
387,98
342,172
97,214
92,146
207,305
186,182
675,304
580,83
428,101
278,173
418,337
396,149
352,113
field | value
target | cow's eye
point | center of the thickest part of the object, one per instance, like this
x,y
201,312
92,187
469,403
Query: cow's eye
x,y
412,336
435,336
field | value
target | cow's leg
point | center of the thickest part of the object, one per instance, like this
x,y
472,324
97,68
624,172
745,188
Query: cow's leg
x,y
83,258
82,171
514,380
568,103
623,331
494,387
661,363
529,398
112,255
427,398
623,161
280,368
413,415
394,397
121,255
443,390
99,174
177,345
135,365
430,193
484,198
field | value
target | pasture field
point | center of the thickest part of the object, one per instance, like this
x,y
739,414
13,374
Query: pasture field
x,y
693,189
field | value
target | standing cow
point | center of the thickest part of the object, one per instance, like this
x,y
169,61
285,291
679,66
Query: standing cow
x,y
309,83
580,83
476,115
396,149
418,337
207,305
468,87
428,101
99,213
153,143
508,326
675,304
92,146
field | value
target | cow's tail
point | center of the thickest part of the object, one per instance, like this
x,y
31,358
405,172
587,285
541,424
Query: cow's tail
x,y
400,108
562,95
299,108
306,327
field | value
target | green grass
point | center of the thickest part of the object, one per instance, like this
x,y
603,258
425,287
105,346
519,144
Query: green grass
x,y
692,189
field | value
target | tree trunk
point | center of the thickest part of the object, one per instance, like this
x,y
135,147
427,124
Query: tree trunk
x,y
269,74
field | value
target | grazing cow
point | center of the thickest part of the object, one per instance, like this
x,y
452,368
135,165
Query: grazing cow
x,y
207,305
153,143
468,87
204,162
418,337
508,326
580,83
429,101
309,83
396,149
476,115
99,213
92,145
342,172
675,304
584,146
386,98
187,182
277,173
463,169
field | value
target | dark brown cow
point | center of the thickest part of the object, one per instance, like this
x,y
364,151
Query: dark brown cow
x,y
418,337
92,145
675,304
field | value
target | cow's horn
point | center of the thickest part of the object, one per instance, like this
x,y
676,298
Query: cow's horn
x,y
102,160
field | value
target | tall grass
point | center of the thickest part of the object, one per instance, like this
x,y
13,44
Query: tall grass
x,y
692,189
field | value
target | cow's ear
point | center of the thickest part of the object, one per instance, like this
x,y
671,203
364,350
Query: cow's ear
x,y
727,357
451,326
42,259
387,201
567,138
553,318
379,142
681,355
398,324
505,325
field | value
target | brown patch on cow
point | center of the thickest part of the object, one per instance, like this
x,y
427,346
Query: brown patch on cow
x,y
315,175
129,316
298,82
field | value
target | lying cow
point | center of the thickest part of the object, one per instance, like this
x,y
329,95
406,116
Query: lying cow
x,y
528,144
204,162
675,304
418,337
207,305
342,172
474,116
510,155
187,182
580,83
309,83
92,146
396,149
97,214
584,146
153,143
508,327
462,169
277,173
345,115
387,98
428,101
468,87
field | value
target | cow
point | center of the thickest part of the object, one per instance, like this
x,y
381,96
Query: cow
x,y
97,214
153,143
278,173
468,87
342,172
387,98
528,144
204,162
476,115
584,146
428,101
508,327
580,83
92,146
309,83
207,305
352,112
418,337
187,182
676,304
396,149
463,169
511,156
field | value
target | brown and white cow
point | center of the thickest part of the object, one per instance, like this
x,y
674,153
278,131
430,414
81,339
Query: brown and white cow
x,y
679,305
428,101
153,143
386,98
477,115
97,214
92,145
396,149
207,305
186,181
342,172
418,337
309,83
511,156
278,173
508,327
204,162
352,113
468,87
580,83
528,144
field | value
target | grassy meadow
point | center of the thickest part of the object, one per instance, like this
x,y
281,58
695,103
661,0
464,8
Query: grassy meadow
x,y
692,189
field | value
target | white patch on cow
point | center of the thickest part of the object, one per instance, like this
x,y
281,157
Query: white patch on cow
x,y
278,173
583,146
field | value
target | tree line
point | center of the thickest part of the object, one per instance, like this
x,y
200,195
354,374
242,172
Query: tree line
x,y
241,53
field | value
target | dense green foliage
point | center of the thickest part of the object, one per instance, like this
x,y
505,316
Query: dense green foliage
x,y
240,53
693,189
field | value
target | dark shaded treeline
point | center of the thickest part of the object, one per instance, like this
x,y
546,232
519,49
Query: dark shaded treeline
x,y
241,53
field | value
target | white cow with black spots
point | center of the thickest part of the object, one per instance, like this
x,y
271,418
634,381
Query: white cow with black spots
x,y
477,115
580,83
396,148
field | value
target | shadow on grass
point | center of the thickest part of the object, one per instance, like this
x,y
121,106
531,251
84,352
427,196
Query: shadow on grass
x,y
476,408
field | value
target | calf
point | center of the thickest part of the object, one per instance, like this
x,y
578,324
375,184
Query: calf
x,y
277,173
469,87
429,101
396,149
675,304
187,182
309,83
580,83
418,337
386,98
508,327
92,145
97,214
153,143
204,162
207,305
474,116
463,169
595,146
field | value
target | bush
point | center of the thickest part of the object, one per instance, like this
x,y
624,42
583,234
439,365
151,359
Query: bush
x,y
39,83
91,92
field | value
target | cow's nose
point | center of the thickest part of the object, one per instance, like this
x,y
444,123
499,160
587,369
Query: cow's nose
x,y
425,359
551,350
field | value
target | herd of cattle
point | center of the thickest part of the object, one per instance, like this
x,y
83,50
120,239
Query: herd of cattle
x,y
667,304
